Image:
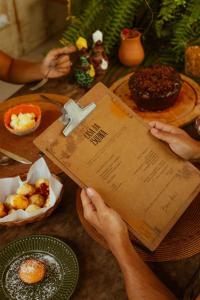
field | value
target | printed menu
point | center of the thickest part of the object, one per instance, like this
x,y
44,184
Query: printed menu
x,y
113,151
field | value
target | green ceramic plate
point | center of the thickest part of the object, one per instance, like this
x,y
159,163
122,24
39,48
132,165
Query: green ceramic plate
x,y
62,269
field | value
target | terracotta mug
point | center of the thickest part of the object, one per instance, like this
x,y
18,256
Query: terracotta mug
x,y
131,52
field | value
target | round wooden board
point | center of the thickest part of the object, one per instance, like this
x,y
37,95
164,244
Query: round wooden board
x,y
23,145
185,109
182,241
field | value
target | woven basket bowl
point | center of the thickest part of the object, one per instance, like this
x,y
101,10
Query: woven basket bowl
x,y
36,218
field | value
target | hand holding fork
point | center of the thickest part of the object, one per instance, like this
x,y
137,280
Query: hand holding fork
x,y
56,64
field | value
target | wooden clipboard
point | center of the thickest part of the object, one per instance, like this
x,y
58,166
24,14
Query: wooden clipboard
x,y
112,150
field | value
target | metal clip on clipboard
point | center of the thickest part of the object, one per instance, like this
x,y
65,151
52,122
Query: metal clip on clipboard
x,y
74,115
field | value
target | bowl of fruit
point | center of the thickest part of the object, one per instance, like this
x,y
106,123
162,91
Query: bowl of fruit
x,y
22,119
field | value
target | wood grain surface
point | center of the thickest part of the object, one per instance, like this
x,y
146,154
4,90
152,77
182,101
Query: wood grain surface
x,y
95,280
23,145
185,109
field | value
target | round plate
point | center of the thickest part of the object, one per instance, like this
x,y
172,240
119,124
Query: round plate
x,y
23,145
61,263
185,109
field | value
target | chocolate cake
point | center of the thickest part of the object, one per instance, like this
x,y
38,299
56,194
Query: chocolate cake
x,y
155,88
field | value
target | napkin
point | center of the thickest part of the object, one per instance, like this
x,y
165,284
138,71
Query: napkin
x,y
38,170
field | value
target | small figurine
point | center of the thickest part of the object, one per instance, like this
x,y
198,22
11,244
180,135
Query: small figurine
x,y
98,56
84,70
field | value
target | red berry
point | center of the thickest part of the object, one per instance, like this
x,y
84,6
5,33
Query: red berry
x,y
125,31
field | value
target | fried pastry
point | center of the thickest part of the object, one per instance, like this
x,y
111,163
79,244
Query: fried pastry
x,y
37,199
32,271
32,208
3,210
40,181
26,189
47,203
17,202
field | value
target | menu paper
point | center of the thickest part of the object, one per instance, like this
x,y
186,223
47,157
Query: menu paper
x,y
113,151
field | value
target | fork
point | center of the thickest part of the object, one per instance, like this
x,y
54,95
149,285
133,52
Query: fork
x,y
45,79
41,82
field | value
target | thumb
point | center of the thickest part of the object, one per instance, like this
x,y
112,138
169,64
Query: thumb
x,y
55,53
69,49
162,135
95,198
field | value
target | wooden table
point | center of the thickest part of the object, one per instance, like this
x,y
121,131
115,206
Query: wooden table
x,y
95,281
51,105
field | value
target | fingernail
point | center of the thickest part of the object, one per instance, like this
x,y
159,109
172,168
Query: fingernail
x,y
90,192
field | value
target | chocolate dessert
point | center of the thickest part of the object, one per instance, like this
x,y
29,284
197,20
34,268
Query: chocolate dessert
x,y
155,88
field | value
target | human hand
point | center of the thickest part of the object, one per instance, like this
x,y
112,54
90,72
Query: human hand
x,y
104,219
177,139
57,62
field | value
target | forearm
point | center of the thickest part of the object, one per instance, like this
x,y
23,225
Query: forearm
x,y
140,281
22,71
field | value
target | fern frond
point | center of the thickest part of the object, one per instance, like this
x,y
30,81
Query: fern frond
x,y
186,29
84,24
168,12
121,15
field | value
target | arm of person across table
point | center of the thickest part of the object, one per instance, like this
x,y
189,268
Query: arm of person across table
x,y
57,63
140,281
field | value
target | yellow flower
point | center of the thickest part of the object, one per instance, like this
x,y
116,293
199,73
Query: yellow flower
x,y
81,43
91,71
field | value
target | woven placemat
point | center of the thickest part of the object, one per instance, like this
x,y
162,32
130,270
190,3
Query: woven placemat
x,y
192,291
182,241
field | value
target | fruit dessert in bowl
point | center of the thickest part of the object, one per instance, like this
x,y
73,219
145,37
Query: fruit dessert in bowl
x,y
22,119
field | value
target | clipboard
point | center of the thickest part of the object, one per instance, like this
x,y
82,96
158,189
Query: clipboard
x,y
102,143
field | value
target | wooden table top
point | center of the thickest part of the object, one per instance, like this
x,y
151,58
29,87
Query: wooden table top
x,y
95,282
23,145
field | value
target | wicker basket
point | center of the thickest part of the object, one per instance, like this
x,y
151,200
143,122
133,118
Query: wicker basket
x,y
36,218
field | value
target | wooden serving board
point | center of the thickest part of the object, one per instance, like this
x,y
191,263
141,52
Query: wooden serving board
x,y
185,109
23,145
